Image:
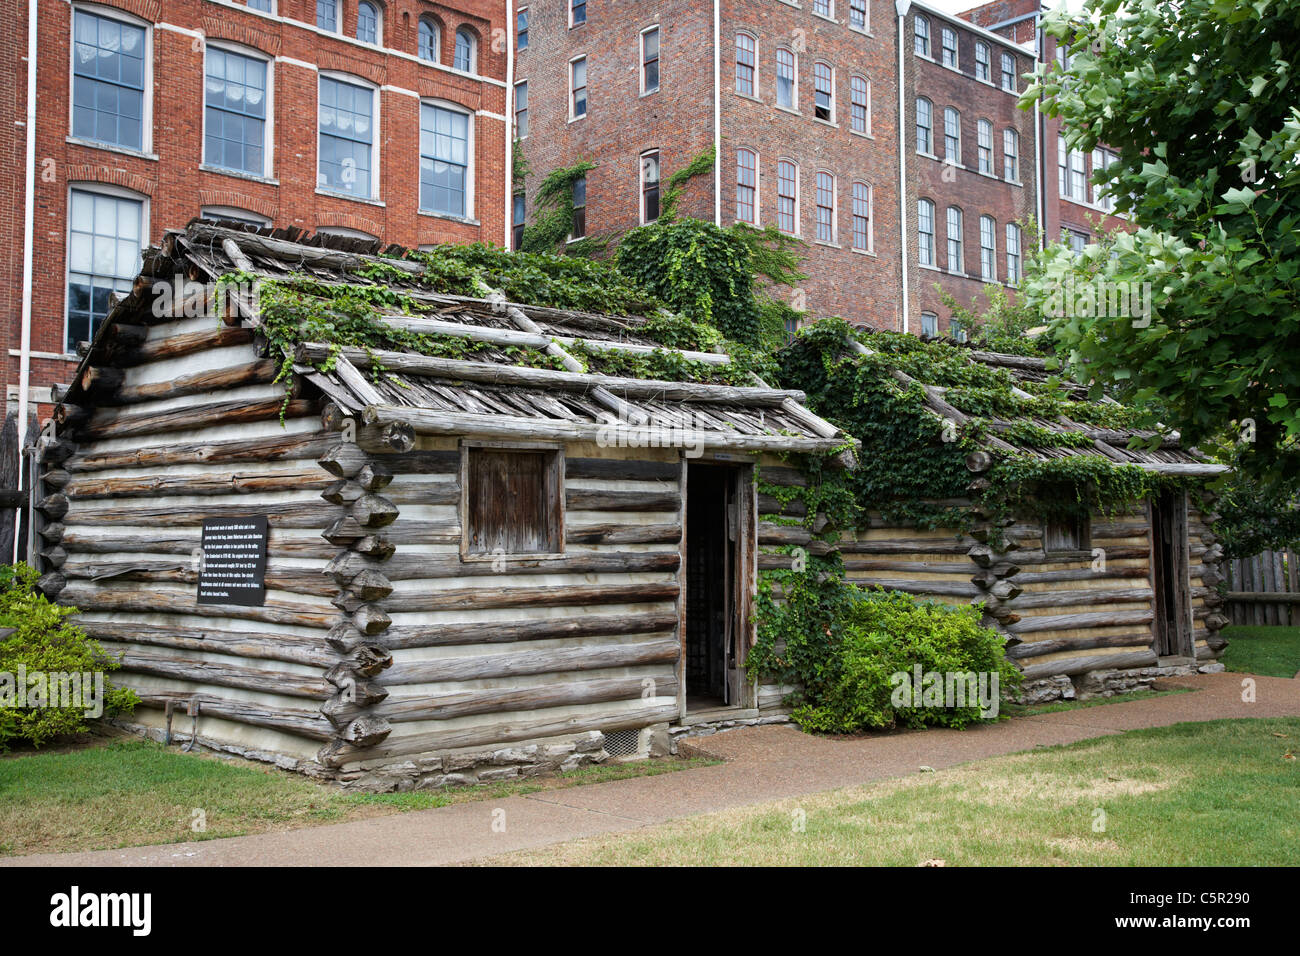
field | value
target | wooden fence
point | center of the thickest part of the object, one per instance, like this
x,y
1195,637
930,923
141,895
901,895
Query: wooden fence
x,y
1264,589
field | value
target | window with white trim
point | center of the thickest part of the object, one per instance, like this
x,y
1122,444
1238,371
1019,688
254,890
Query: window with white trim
x,y
984,144
929,324
1071,179
956,329
517,232
859,15
578,88
952,135
1102,159
824,92
921,35
521,109
824,8
650,60
579,229
863,240
577,12
347,137
747,186
924,126
368,30
954,223
234,111
1013,254
787,197
1009,72
746,64
787,78
925,231
521,29
948,47
860,105
1010,155
429,44
266,6
649,186
105,238
825,207
1078,241
110,68
983,64
988,249
327,15
445,147
466,55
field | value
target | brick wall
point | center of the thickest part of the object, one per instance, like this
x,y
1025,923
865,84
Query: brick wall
x,y
976,194
171,174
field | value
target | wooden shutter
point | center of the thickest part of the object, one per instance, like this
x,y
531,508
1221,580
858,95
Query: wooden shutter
x,y
512,502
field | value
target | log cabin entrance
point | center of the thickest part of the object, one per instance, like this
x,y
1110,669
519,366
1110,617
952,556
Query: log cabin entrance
x,y
1172,607
719,568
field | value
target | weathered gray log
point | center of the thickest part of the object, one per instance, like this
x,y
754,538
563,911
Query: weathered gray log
x,y
54,507
282,515
119,423
188,343
1083,596
373,511
346,566
1062,622
374,476
55,556
52,584
458,599
551,660
366,731
308,445
343,492
623,534
260,372
374,546
1081,665
80,541
371,620
536,726
100,381
580,500
226,675
344,460
493,632
303,723
943,588
93,597
229,483
623,469
58,452
1028,649
262,646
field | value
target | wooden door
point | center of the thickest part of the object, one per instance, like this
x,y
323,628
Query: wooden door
x,y
1170,582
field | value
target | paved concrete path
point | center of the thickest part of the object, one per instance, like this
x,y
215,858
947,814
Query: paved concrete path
x,y
762,764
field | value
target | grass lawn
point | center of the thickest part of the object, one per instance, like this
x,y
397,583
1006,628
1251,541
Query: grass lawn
x,y
134,792
1267,651
1222,793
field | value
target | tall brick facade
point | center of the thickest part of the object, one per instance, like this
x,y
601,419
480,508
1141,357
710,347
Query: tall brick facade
x,y
950,66
174,179
1074,211
623,122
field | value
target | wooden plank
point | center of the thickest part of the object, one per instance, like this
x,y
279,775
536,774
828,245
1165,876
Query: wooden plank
x,y
400,636
213,483
251,644
307,446
1080,665
464,599
516,663
282,515
261,372
304,723
221,674
124,423
407,567
92,597
623,534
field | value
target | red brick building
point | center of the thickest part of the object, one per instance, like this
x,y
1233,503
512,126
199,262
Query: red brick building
x,y
798,98
371,118
971,158
1070,206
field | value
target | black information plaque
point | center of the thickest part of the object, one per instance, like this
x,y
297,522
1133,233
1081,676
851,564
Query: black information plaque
x,y
233,570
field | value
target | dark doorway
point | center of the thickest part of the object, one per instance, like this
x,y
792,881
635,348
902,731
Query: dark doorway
x,y
1172,625
717,567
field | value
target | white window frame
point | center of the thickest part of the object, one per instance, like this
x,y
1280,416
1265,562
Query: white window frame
x,y
105,189
470,160
758,185
833,94
916,119
524,84
526,13
986,62
735,61
917,35
1011,138
959,239
473,50
379,22
984,147
866,16
934,331
989,268
437,38
794,86
572,24
798,185
586,103
1015,78
922,203
830,9
834,207
853,105
642,184
272,12
944,34
268,147
1014,259
659,60
355,80
871,217
146,107
338,19
586,187
955,158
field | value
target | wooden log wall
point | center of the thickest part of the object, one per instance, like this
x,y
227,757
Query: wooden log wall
x,y
448,654
179,420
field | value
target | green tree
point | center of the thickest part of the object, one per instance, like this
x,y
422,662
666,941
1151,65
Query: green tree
x,y
1198,98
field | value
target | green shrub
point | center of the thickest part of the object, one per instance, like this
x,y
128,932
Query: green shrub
x,y
844,647
44,643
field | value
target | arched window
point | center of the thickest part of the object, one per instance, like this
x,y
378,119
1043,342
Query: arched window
x,y
929,324
787,197
1013,254
430,47
1010,155
747,186
921,36
825,207
955,262
787,79
466,51
746,64
952,136
984,140
862,239
925,231
924,126
367,22
988,249
824,92
860,95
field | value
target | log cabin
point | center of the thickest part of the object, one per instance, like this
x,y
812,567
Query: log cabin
x,y
396,569
1089,603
